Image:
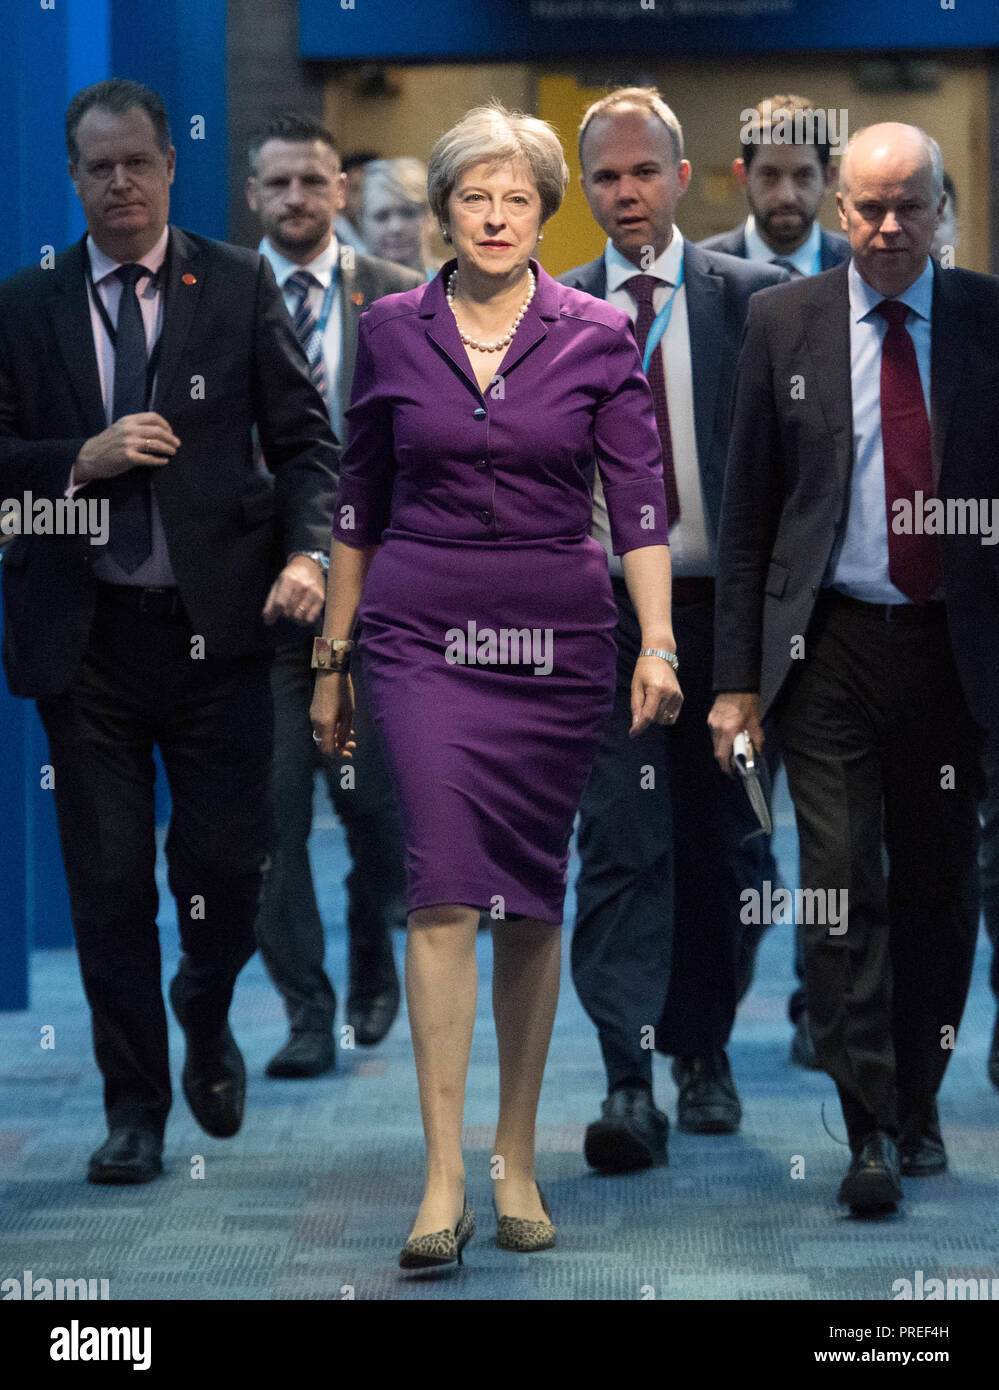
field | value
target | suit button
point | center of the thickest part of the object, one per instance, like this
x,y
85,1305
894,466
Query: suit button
x,y
485,517
479,413
481,466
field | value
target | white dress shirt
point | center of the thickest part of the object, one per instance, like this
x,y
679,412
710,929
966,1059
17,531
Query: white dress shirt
x,y
156,571
690,548
325,269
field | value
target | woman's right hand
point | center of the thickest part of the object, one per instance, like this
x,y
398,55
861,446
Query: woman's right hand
x,y
332,715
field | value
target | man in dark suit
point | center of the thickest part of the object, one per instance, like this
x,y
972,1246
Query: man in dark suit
x,y
859,400
296,188
161,636
662,836
785,183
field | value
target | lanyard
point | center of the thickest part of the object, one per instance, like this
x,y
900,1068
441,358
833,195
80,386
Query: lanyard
x,y
109,328
660,324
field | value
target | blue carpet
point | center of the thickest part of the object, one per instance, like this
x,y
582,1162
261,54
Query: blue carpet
x,y
314,1197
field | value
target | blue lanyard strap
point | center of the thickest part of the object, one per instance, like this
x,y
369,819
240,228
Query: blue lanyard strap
x,y
660,323
327,305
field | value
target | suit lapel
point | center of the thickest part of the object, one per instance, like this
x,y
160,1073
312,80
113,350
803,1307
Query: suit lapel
x,y
70,309
827,331
591,278
706,328
352,303
947,368
181,298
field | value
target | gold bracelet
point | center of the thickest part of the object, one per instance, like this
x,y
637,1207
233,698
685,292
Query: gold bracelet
x,y
331,654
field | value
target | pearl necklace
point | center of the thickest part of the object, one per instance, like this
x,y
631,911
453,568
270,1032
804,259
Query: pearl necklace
x,y
489,347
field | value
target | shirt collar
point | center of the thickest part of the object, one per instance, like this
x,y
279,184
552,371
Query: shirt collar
x,y
804,259
101,266
665,267
324,267
864,299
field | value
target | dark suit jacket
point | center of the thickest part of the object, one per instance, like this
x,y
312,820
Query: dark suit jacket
x,y
790,463
718,290
835,248
228,530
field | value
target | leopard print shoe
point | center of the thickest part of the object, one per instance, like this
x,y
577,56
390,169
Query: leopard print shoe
x,y
439,1248
517,1233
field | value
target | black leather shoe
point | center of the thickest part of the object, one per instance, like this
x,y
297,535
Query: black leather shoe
x,y
630,1134
708,1102
920,1144
994,1055
129,1154
304,1054
873,1181
371,1016
802,1047
214,1075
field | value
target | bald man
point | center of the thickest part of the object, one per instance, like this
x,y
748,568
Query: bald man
x,y
861,397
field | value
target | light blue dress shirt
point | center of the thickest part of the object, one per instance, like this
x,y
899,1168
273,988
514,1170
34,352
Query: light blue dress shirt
x,y
807,260
858,565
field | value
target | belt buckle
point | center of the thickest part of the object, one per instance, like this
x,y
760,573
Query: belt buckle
x,y
149,595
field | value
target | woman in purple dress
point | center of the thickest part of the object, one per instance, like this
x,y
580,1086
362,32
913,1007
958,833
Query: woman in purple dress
x,y
461,545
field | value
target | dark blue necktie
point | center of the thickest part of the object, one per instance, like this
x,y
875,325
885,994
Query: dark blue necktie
x,y
130,541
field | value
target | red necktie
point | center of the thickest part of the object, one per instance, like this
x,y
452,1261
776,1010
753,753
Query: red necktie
x,y
641,288
913,560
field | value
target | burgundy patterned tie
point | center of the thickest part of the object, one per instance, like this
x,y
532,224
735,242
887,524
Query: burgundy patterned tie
x,y
913,560
641,288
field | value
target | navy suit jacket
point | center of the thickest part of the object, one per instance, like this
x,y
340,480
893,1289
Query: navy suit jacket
x,y
791,460
718,290
835,248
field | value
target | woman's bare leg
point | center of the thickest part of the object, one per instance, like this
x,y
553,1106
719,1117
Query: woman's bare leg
x,y
527,962
442,985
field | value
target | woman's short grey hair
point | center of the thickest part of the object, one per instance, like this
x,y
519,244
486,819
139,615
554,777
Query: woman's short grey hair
x,y
405,179
495,136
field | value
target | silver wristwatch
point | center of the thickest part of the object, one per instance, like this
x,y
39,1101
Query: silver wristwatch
x,y
320,557
669,657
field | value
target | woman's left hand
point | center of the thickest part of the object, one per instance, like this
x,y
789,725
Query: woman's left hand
x,y
656,696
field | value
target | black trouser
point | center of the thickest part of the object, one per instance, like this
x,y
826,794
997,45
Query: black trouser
x,y
289,928
662,841
882,754
141,684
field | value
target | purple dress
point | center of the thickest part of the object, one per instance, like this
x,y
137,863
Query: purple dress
x,y
487,617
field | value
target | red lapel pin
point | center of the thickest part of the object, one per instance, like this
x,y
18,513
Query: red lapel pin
x,y
189,279
357,297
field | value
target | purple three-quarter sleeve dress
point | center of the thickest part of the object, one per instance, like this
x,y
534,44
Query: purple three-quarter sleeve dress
x,y
486,618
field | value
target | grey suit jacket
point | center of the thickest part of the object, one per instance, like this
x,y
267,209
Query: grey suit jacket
x,y
370,278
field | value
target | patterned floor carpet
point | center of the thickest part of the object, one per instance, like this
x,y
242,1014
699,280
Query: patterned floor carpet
x,y
314,1197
